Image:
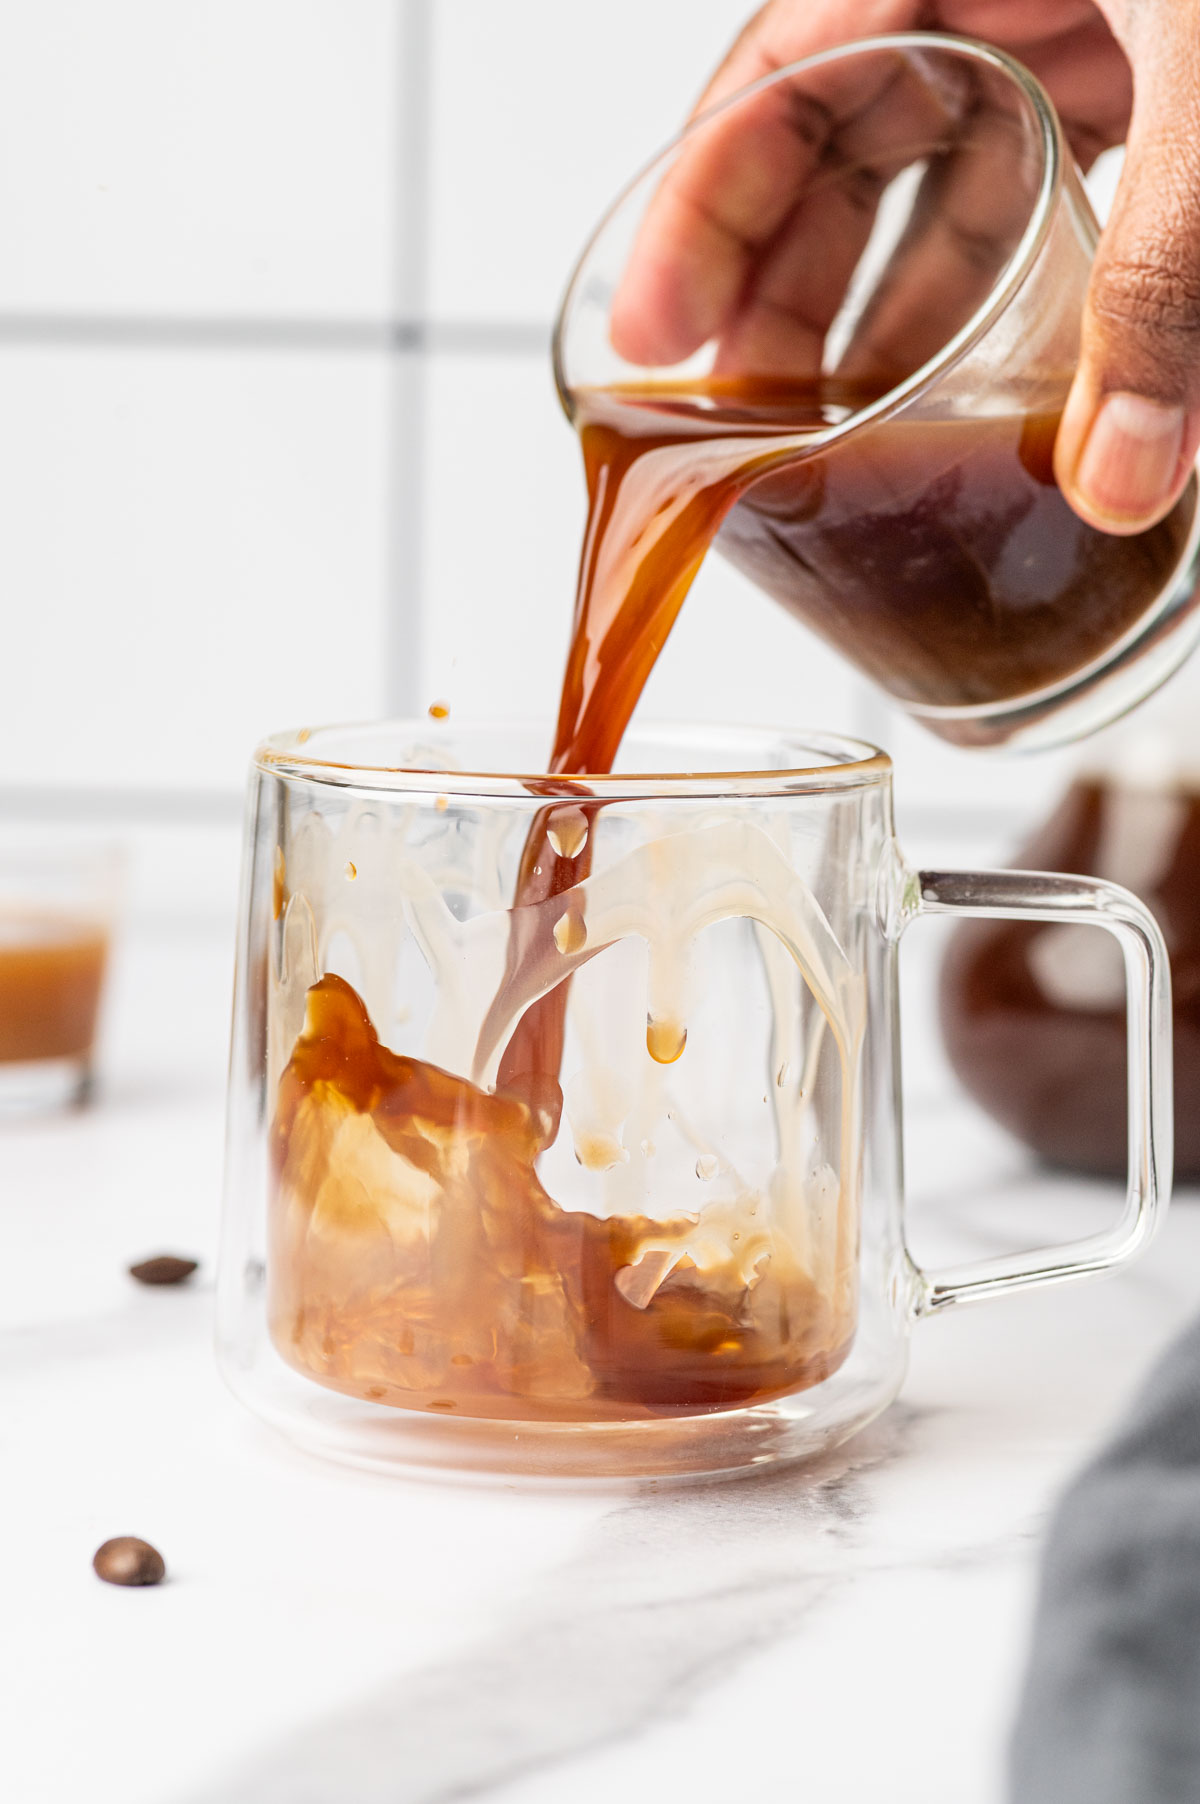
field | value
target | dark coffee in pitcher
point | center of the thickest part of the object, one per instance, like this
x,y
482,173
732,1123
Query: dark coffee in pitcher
x,y
936,553
1033,1016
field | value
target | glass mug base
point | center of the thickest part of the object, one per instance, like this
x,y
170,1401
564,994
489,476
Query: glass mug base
x,y
726,1444
668,1241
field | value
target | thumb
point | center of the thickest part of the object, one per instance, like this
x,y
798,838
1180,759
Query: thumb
x,y
1131,425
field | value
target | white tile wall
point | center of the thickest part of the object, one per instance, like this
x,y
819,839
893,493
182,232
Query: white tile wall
x,y
192,553
234,157
541,111
736,656
201,544
504,508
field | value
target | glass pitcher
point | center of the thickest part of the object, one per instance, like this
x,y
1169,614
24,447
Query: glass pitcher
x,y
872,382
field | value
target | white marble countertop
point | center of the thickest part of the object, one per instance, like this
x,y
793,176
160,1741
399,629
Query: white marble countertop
x,y
849,1633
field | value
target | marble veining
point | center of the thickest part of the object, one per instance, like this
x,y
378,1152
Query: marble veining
x,y
847,1632
667,1596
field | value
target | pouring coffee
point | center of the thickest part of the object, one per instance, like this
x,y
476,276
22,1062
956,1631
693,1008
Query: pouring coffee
x,y
445,1031
866,424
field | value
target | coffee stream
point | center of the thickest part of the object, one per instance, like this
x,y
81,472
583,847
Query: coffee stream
x,y
943,558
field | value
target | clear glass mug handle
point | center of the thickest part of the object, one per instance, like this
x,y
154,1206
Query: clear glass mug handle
x,y
1083,901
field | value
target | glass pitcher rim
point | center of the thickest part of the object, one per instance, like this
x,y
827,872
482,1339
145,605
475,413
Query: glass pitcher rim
x,y
1018,268
851,763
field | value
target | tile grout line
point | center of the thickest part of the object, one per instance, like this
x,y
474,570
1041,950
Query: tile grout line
x,y
408,424
30,804
216,332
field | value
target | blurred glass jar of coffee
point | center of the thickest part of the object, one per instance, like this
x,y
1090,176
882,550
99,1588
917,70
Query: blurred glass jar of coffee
x,y
1033,1016
57,905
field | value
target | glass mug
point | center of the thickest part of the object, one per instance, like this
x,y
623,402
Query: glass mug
x,y
870,347
675,1248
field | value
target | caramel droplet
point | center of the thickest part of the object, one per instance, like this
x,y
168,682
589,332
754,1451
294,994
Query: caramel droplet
x,y
304,735
570,934
278,884
438,711
707,1166
665,1040
442,803
782,1075
351,872
568,831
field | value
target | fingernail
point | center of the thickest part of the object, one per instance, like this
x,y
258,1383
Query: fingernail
x,y
1131,457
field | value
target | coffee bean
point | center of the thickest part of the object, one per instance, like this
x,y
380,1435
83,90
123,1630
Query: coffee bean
x,y
166,1268
127,1561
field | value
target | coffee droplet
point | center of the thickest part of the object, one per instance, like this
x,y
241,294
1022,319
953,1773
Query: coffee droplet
x,y
439,711
665,1040
127,1561
164,1268
568,831
351,872
707,1166
782,1075
570,934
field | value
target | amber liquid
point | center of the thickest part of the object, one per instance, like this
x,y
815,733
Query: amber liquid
x,y
942,558
481,1295
1034,1017
51,974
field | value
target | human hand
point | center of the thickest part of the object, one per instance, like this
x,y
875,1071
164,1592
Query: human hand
x,y
728,238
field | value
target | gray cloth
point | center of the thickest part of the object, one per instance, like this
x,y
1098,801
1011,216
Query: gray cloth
x,y
1110,1712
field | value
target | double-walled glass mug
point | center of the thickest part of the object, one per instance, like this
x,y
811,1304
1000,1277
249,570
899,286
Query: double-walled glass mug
x,y
854,290
607,1184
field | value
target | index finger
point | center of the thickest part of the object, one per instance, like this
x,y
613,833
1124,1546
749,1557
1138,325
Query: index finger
x,y
734,183
966,220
